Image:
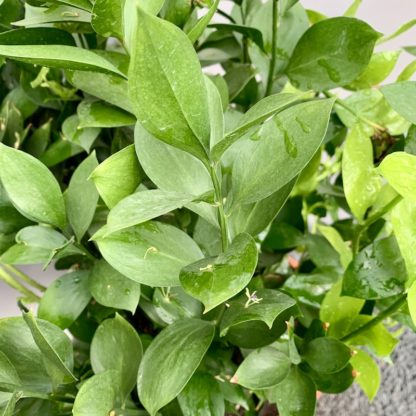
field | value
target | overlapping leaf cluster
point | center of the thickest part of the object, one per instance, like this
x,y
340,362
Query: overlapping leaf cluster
x,y
232,237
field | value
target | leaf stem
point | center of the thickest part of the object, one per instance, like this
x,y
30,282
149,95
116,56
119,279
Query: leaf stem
x,y
12,282
379,318
221,214
365,120
24,277
272,67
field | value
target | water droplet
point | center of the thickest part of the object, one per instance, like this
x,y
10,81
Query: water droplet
x,y
290,144
127,291
256,136
333,74
305,128
77,279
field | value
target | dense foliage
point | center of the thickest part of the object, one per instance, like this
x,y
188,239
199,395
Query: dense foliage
x,y
232,238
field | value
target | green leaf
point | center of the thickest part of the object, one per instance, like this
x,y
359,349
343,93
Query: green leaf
x,y
380,67
262,369
202,395
295,395
117,346
99,114
166,86
31,187
11,404
170,361
118,176
36,36
112,289
377,272
198,29
331,53
358,172
326,355
336,241
411,301
58,362
278,151
352,10
216,115
259,113
65,299
152,253
62,57
144,206
402,29
81,197
271,305
72,132
107,18
399,170
215,280
9,378
333,383
403,220
339,311
402,97
367,373
98,396
251,33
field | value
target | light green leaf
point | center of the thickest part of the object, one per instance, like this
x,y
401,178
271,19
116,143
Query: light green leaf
x,y
216,115
339,311
403,220
99,114
98,396
72,132
117,346
58,362
202,395
215,280
407,72
331,53
112,289
379,68
166,86
152,253
402,97
144,206
278,151
65,299
9,378
198,29
170,361
11,404
62,57
118,176
259,113
367,373
336,241
107,18
361,183
411,301
326,355
352,10
295,395
262,369
402,29
31,187
399,168
81,197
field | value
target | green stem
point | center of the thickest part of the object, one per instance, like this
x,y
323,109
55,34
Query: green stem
x,y
272,67
24,277
379,318
365,120
12,282
221,214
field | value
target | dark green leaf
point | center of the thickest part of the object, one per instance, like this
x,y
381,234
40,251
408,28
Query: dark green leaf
x,y
171,360
99,114
37,36
249,32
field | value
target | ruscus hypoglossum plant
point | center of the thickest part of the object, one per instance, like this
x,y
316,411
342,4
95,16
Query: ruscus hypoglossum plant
x,y
229,193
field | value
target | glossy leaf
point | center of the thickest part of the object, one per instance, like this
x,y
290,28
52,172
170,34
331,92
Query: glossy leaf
x,y
31,187
262,369
341,246
295,395
358,172
377,272
117,346
98,396
215,280
171,360
118,176
98,114
166,86
399,170
402,97
285,144
81,197
202,394
367,373
331,53
144,206
36,36
111,288
198,29
152,253
326,355
65,299
62,57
